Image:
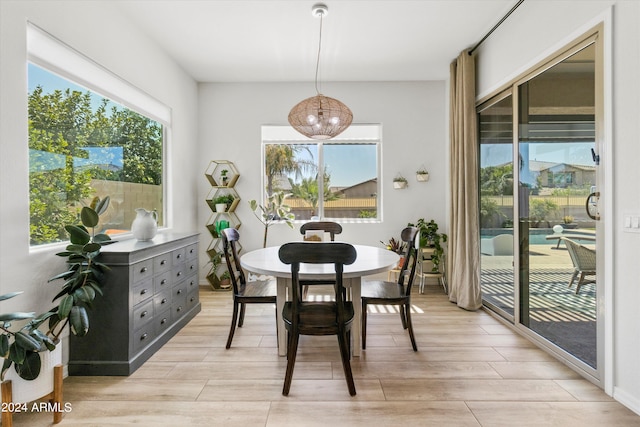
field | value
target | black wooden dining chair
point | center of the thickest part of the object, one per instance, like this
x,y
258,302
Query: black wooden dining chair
x,y
318,317
394,293
330,227
254,292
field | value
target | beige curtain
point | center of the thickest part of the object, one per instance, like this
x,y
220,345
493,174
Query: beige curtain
x,y
464,253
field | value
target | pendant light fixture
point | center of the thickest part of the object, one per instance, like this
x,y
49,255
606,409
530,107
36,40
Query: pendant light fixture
x,y
320,117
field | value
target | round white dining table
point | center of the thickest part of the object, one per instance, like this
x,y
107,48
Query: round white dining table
x,y
370,260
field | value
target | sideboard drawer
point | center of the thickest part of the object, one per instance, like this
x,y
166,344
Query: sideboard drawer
x,y
179,256
162,263
162,321
162,301
162,282
143,337
142,291
142,270
142,314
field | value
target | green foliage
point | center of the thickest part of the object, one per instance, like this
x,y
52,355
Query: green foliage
x,y
62,125
227,199
541,210
281,159
307,190
496,180
275,210
429,237
367,214
81,283
489,212
395,245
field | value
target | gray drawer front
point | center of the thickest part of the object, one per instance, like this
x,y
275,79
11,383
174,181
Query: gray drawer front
x,y
142,270
143,337
162,282
162,321
179,273
162,263
142,291
162,301
142,314
178,307
192,283
192,251
191,267
179,256
192,299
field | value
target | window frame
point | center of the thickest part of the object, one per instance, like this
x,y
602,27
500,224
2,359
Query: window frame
x,y
369,134
55,56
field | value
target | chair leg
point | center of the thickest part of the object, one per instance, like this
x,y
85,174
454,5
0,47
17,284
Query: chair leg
x,y
233,324
580,282
241,320
403,317
292,349
573,277
410,327
346,364
363,326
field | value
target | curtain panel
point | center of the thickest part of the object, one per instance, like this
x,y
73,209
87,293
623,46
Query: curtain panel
x,y
464,252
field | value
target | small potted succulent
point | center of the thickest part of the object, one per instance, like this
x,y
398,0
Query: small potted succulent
x,y
422,175
399,182
223,203
225,178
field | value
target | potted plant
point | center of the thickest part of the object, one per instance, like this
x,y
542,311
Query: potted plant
x,y
223,202
275,210
225,280
397,246
568,222
21,346
399,182
429,237
225,179
422,175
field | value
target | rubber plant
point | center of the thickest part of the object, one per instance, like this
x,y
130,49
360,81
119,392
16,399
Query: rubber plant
x,y
81,283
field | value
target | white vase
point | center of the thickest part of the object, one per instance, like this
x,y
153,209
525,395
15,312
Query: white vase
x,y
22,390
145,225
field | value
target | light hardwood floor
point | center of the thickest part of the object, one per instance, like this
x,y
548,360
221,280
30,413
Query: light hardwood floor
x,y
470,370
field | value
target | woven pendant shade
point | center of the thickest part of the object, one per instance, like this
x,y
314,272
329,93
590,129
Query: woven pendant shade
x,y
320,117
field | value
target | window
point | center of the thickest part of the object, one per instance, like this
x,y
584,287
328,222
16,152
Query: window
x,y
335,179
84,145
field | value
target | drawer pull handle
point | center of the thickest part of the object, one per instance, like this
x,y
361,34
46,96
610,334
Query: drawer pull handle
x,y
179,291
179,256
142,292
163,321
179,308
163,282
191,251
192,299
143,337
179,273
143,270
163,262
164,301
143,314
191,267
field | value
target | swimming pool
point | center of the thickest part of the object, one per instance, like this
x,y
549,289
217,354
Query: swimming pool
x,y
537,236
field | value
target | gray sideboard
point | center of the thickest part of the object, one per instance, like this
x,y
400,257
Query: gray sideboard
x,y
150,293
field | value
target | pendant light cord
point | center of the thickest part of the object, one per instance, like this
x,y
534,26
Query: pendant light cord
x,y
318,58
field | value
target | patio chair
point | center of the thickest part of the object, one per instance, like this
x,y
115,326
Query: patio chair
x,y
255,292
584,262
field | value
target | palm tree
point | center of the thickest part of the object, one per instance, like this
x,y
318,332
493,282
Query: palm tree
x,y
307,190
283,159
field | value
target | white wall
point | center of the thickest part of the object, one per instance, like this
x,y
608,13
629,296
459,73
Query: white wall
x,y
414,133
100,32
533,31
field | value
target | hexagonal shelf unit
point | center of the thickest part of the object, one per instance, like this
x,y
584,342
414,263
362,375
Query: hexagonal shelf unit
x,y
222,175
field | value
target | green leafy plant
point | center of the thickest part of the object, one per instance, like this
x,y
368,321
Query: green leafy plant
x,y
400,178
275,210
226,199
81,283
567,219
429,237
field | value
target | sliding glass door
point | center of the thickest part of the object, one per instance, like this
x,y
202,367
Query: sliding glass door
x,y
543,170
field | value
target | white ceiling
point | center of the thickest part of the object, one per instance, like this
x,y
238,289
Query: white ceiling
x,y
273,41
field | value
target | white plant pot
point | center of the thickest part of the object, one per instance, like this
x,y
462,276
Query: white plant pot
x,y
422,177
24,391
399,184
221,207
